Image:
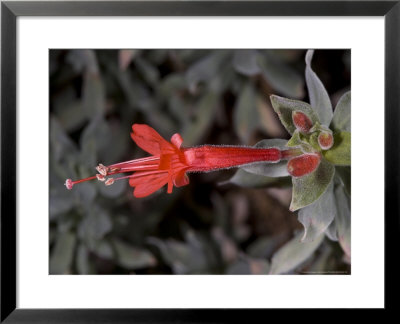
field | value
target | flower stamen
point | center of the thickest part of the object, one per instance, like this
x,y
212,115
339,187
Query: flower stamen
x,y
103,170
100,177
109,181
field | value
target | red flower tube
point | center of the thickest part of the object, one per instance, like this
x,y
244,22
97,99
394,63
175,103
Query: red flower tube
x,y
169,162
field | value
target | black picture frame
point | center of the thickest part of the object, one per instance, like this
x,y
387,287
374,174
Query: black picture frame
x,y
10,11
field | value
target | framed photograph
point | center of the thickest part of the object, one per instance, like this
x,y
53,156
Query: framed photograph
x,y
193,161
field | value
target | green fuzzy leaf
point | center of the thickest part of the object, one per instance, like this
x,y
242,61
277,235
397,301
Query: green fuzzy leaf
x,y
341,120
170,85
307,189
246,117
223,80
269,169
202,121
205,69
103,249
246,179
149,72
264,246
72,116
313,140
343,219
293,253
60,200
280,75
192,256
94,226
324,261
178,108
114,191
319,97
94,141
93,91
344,173
331,231
246,266
284,108
298,140
62,253
83,264
317,217
61,145
83,60
131,257
246,62
295,140
340,153
85,193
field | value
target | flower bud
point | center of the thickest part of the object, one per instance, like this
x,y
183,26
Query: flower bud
x,y
302,122
304,164
325,140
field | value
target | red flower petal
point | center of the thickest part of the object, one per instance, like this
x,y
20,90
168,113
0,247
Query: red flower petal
x,y
177,140
181,179
150,141
146,183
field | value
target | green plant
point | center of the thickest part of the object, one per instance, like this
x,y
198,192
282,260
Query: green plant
x,y
322,197
204,227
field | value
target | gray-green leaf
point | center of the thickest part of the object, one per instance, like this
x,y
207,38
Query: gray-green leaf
x,y
246,117
319,97
245,62
83,264
331,231
246,266
318,216
150,73
94,226
297,140
205,69
131,257
340,153
246,179
309,188
343,219
344,173
184,257
62,146
114,191
341,120
280,75
284,108
94,139
293,253
93,95
62,253
197,128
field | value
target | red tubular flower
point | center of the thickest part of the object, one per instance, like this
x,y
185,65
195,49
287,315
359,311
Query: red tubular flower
x,y
169,162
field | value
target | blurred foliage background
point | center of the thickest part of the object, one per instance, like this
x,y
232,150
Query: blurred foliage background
x,y
211,226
